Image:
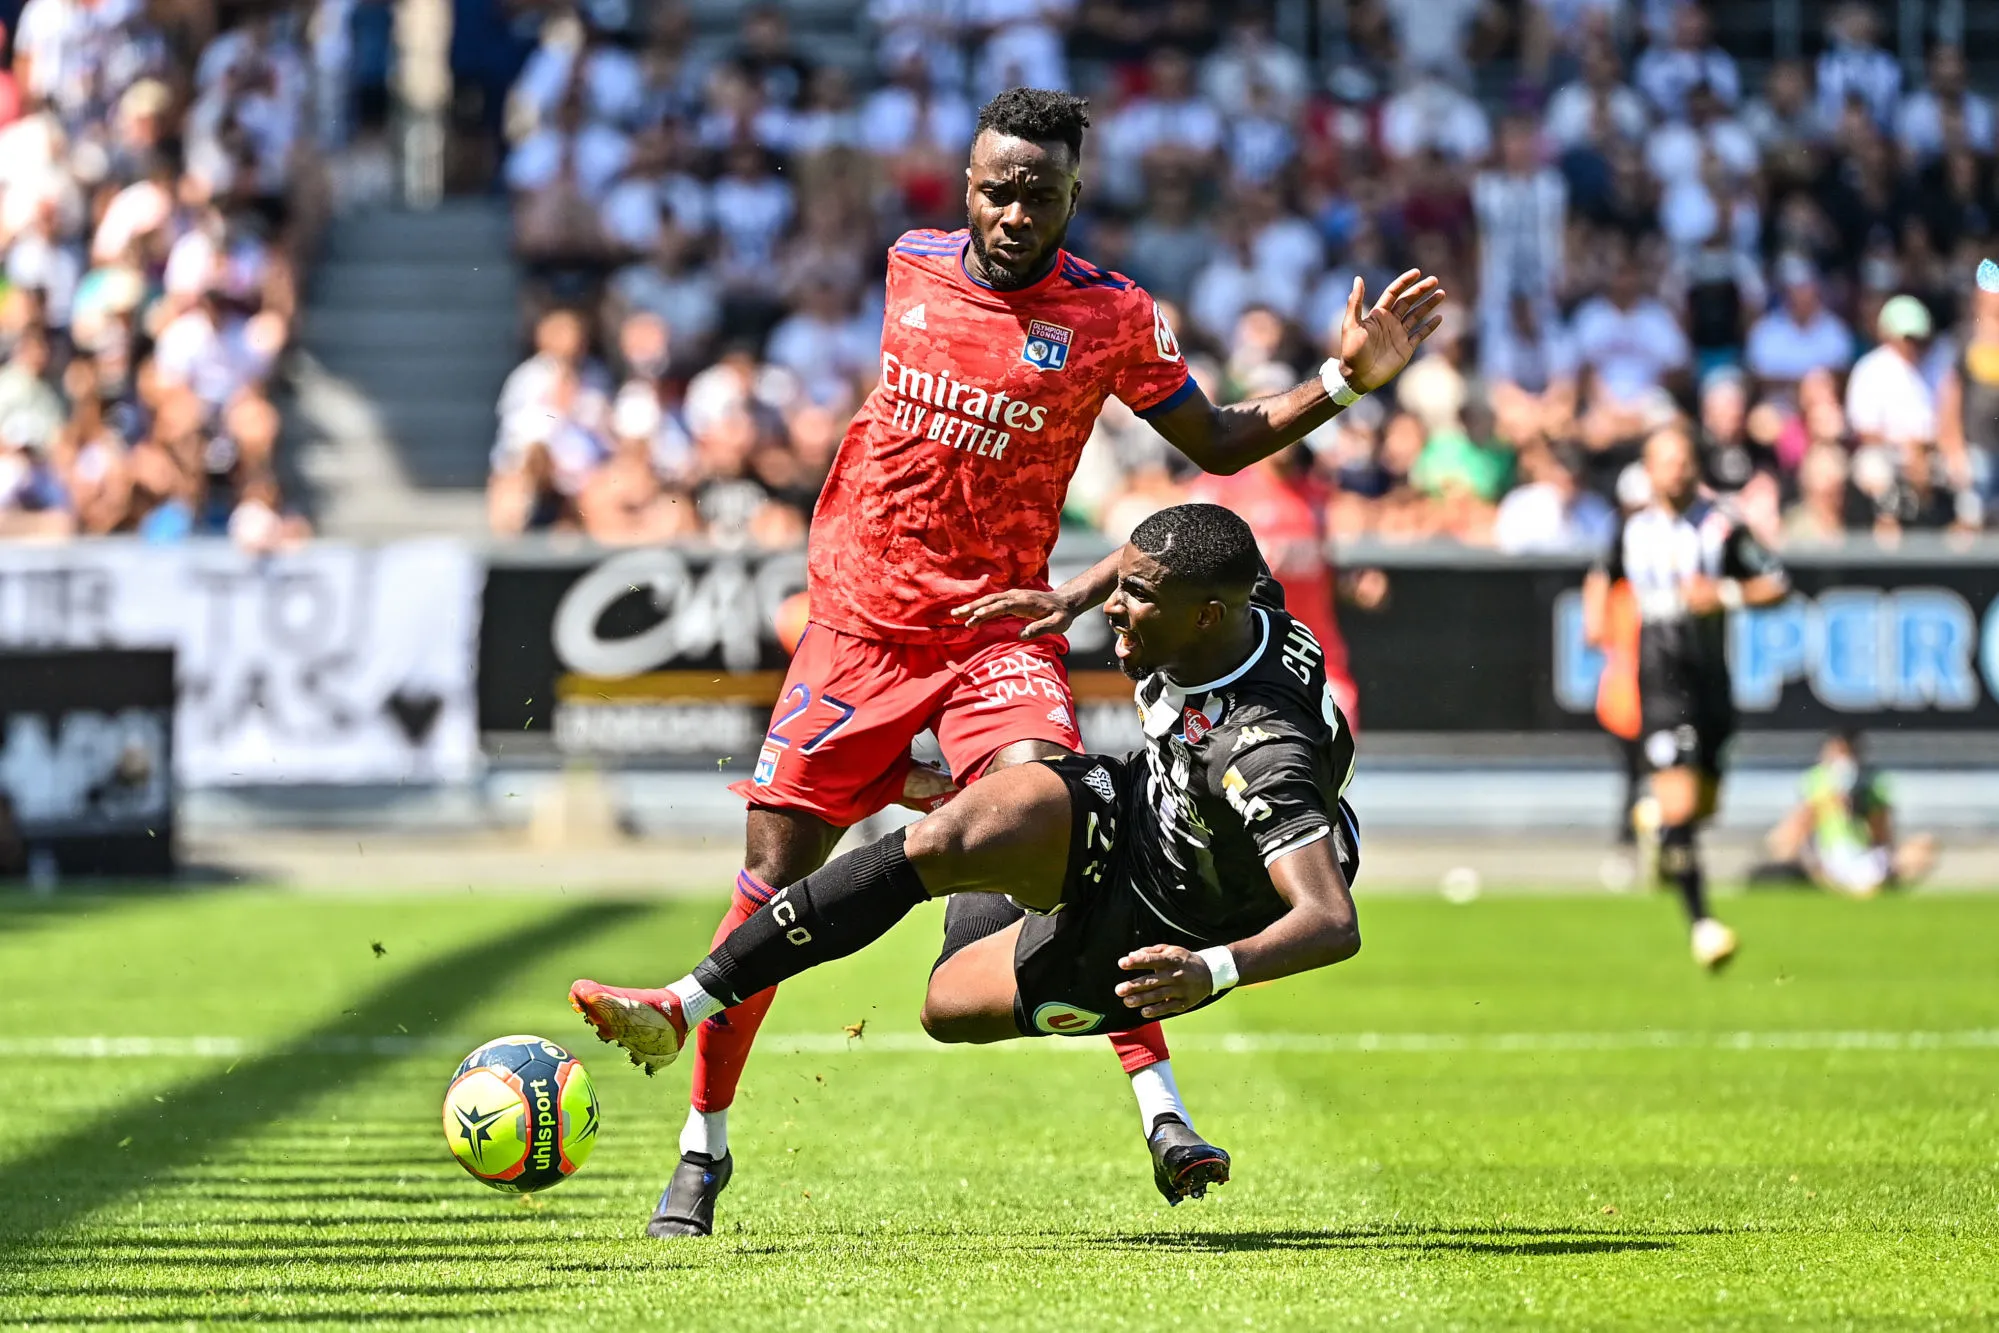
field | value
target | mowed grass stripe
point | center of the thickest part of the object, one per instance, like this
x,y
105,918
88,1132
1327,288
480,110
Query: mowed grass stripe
x,y
1222,1043
70,1176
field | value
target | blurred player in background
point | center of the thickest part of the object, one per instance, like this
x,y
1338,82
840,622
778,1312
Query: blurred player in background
x,y
1689,564
1841,834
999,348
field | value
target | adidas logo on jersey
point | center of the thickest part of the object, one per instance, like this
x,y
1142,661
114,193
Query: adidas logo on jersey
x,y
1059,715
912,318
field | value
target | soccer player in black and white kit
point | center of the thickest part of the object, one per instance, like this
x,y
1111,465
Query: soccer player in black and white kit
x,y
1141,887
1690,562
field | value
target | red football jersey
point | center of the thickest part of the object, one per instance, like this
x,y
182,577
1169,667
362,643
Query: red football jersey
x,y
950,481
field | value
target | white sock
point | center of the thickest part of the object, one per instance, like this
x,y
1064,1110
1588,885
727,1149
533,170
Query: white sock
x,y
695,1003
1158,1095
706,1132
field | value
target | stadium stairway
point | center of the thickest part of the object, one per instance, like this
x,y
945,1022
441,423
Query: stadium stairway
x,y
410,325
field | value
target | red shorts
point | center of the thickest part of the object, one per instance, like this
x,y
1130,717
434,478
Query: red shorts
x,y
838,744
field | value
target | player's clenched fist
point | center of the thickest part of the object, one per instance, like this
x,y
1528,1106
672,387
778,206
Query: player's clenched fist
x,y
1174,980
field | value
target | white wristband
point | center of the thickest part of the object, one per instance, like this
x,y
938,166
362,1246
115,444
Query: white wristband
x,y
1730,593
1221,967
1337,388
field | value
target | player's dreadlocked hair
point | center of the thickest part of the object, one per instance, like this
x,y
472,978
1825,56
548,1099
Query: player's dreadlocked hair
x,y
1205,544
1038,115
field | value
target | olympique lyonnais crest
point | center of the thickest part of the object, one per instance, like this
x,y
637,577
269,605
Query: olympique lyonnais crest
x,y
1047,345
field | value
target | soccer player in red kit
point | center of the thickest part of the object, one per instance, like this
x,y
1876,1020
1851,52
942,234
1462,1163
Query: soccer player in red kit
x,y
998,349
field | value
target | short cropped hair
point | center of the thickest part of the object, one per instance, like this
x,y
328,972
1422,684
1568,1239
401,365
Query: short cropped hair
x,y
1038,115
1204,544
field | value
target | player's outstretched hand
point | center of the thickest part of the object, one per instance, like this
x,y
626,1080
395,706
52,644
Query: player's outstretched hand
x,y
1377,344
1175,980
1044,612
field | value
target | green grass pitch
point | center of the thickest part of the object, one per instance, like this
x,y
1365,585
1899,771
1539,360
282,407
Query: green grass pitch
x,y
1555,1121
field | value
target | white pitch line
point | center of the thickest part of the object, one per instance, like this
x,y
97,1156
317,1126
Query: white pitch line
x,y
1223,1043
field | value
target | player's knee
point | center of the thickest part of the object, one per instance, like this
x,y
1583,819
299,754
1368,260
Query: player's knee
x,y
943,1024
938,844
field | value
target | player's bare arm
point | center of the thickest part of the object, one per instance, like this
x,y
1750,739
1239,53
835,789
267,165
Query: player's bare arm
x,y
1706,597
1375,344
1321,929
1596,607
1050,612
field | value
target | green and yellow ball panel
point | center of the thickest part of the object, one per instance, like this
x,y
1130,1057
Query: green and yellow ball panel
x,y
521,1114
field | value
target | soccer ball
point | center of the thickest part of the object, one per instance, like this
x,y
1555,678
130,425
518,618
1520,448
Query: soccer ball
x,y
521,1114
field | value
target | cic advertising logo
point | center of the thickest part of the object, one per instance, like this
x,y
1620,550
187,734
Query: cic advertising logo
x,y
1857,650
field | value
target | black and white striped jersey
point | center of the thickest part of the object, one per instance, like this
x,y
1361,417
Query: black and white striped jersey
x,y
1658,549
1236,773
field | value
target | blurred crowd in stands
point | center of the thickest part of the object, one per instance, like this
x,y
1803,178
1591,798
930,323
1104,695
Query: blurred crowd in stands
x,y
1638,234
158,187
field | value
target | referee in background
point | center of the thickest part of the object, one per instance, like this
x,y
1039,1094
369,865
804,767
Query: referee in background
x,y
1689,563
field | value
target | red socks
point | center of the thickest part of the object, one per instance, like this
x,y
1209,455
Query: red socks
x,y
1140,1048
722,1043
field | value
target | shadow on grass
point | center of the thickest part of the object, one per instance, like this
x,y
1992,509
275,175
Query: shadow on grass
x,y
1523,1243
457,1316
65,1180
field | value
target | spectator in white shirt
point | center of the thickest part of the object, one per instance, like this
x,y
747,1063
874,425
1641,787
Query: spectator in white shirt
x,y
911,113
1677,149
588,153
1023,45
1442,35
1528,363
1627,340
1522,210
1552,514
931,31
1231,283
1169,123
1854,66
1919,124
753,206
825,344
1249,57
1888,402
1667,73
1596,106
1429,113
1553,30
1800,335
1785,119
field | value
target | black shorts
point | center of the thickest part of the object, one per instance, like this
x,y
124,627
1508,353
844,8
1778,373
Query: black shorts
x,y
1685,725
1685,702
1065,963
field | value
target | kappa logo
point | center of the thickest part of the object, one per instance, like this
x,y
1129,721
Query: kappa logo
x,y
1059,715
1099,781
1249,736
1251,808
912,318
1066,1020
1047,346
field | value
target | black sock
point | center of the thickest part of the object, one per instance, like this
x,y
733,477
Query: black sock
x,y
970,917
1679,861
842,907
